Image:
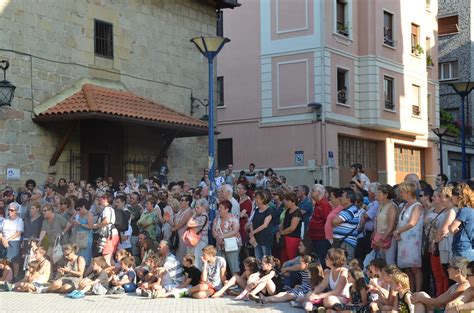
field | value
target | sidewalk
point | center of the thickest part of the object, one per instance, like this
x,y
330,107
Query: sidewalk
x,y
24,302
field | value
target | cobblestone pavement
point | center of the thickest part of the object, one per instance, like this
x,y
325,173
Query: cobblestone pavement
x,y
23,302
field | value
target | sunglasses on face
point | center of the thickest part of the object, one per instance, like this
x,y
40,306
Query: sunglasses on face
x,y
45,211
11,210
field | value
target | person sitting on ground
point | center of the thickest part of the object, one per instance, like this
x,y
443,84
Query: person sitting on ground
x,y
457,271
6,268
38,275
70,271
213,274
146,274
115,266
125,281
382,288
358,294
251,266
292,294
465,302
96,282
402,303
170,275
270,282
334,289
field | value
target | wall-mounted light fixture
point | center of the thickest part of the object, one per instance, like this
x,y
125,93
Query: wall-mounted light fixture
x,y
7,89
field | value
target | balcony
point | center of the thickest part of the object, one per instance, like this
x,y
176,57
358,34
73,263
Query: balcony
x,y
222,4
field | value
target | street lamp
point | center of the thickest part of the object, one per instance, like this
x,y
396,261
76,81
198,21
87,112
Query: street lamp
x,y
7,89
463,89
440,132
210,47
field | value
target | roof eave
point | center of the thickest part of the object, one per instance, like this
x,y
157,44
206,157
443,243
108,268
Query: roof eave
x,y
183,130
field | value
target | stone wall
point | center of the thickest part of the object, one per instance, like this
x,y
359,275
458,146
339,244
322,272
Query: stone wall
x,y
50,45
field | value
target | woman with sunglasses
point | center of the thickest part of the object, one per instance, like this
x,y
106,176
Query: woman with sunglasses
x,y
84,221
10,237
70,271
465,302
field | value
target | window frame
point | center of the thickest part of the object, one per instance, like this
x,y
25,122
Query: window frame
x,y
385,41
418,104
107,41
392,80
441,77
415,36
448,33
346,82
220,91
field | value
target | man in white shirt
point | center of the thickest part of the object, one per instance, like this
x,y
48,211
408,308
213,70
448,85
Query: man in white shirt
x,y
226,193
358,177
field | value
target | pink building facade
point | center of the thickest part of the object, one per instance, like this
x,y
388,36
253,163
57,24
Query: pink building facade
x,y
370,66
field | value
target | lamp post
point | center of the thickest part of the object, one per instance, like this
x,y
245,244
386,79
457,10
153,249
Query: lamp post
x,y
463,89
440,132
210,48
7,89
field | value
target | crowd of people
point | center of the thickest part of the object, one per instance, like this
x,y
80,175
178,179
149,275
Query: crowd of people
x,y
369,247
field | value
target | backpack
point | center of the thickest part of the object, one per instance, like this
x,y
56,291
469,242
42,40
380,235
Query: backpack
x,y
122,218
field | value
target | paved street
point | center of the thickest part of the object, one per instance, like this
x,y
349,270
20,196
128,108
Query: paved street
x,y
23,302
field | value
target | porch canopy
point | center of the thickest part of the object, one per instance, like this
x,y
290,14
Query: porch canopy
x,y
96,99
90,99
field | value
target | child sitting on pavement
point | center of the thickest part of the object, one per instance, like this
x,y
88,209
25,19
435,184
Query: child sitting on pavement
x,y
125,281
97,281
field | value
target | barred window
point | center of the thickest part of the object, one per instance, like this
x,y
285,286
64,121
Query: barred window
x,y
103,39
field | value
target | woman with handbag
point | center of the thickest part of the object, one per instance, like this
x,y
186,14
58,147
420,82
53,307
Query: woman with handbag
x,y
433,221
180,222
385,224
83,222
197,231
228,241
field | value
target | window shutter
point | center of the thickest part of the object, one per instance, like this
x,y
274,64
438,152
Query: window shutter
x,y
448,25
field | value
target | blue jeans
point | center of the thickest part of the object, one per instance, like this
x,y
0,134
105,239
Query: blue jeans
x,y
321,248
261,250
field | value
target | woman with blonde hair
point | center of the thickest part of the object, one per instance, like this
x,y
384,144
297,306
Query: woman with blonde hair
x,y
463,225
70,271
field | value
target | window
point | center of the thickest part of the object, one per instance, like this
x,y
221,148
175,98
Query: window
x,y
415,108
341,16
342,82
448,25
429,58
103,39
448,70
388,93
220,24
409,160
429,110
220,91
415,39
388,29
224,153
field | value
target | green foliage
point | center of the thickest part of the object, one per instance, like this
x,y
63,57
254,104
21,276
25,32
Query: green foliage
x,y
447,120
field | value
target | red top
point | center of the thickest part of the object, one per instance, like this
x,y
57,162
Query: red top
x,y
316,224
245,205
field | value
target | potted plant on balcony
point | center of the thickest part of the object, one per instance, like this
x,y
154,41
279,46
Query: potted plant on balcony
x,y
343,29
417,50
429,60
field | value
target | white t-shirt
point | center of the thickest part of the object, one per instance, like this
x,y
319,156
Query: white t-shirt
x,y
126,244
235,207
110,214
365,181
10,227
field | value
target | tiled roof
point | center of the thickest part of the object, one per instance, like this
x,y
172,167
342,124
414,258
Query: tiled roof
x,y
107,101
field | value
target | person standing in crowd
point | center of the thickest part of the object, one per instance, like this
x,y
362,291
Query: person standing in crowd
x,y
385,224
443,237
409,235
367,222
463,225
25,203
335,195
261,237
251,174
226,193
346,224
135,214
305,205
290,230
260,179
84,222
149,218
322,208
55,226
245,204
180,222
10,236
441,181
227,228
358,177
107,229
200,222
32,224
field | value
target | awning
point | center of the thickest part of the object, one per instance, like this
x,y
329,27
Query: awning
x,y
89,100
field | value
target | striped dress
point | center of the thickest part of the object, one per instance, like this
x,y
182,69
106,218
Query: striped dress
x,y
305,287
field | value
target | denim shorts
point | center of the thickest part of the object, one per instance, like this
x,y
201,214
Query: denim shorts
x,y
12,252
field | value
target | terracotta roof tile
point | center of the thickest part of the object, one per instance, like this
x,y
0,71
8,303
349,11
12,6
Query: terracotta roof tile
x,y
103,100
